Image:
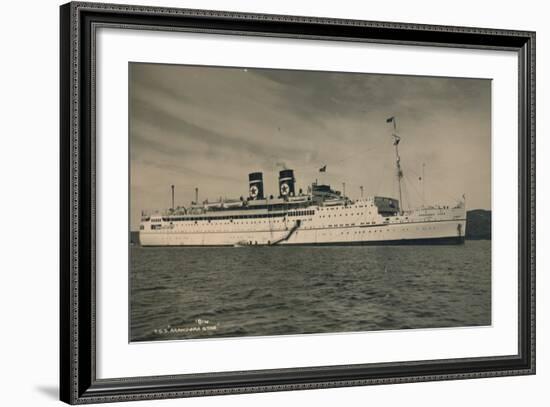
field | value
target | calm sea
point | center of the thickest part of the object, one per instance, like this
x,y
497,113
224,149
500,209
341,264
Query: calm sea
x,y
181,293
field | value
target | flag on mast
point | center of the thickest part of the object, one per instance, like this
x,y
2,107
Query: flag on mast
x,y
323,168
390,119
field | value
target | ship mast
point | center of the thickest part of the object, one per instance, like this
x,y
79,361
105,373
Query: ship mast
x,y
172,186
396,140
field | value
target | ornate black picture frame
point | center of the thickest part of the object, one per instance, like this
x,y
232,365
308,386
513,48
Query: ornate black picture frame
x,y
78,381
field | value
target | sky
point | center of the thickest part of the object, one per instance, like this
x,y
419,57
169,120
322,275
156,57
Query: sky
x,y
208,127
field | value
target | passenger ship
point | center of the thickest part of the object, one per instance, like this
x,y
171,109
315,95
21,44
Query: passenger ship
x,y
321,216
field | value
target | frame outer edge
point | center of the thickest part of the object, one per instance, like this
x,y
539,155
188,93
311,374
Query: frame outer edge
x,y
75,155
65,229
239,15
70,140
533,196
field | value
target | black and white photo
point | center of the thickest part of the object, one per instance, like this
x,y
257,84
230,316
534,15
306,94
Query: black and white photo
x,y
275,202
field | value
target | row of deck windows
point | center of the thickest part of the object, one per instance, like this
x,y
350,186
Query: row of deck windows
x,y
256,216
344,214
158,227
301,213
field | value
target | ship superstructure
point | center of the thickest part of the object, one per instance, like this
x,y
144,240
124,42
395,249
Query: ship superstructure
x,y
320,216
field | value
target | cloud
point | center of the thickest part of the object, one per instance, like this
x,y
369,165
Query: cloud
x,y
210,126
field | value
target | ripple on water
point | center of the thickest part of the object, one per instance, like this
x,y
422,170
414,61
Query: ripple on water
x,y
295,290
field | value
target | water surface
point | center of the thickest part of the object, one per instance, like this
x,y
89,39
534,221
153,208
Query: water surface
x,y
181,293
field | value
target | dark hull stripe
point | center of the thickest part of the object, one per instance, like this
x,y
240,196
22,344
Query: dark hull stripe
x,y
456,240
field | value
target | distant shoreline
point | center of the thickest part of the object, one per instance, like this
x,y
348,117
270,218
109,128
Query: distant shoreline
x,y
478,224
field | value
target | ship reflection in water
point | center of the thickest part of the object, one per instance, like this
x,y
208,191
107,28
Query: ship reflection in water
x,y
194,293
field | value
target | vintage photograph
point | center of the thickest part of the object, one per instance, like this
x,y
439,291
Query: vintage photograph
x,y
287,202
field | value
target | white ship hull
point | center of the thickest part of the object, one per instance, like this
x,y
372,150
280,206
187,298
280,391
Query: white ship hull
x,y
357,223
